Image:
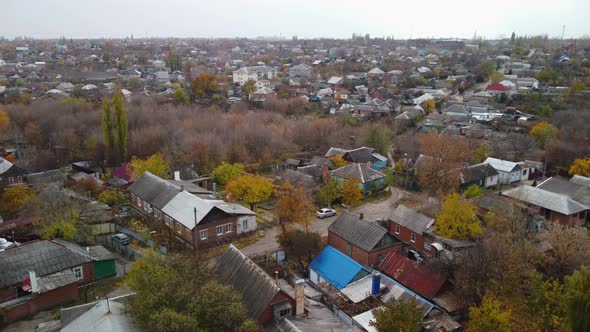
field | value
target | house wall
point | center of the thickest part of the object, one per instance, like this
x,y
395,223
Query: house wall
x,y
266,317
370,259
250,224
405,235
491,181
577,219
41,302
103,269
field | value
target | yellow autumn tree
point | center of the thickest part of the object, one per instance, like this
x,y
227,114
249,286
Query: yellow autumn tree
x,y
351,191
338,161
251,189
457,218
4,118
543,131
428,105
14,198
294,205
580,167
155,164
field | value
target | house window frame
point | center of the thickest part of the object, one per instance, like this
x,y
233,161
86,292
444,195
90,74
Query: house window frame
x,y
245,224
227,228
427,246
203,234
413,238
349,249
10,180
397,229
78,272
19,179
219,230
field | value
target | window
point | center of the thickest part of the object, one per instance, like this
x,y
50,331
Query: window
x,y
227,228
138,201
427,246
204,234
168,221
413,237
157,213
19,179
284,312
396,229
380,258
349,249
524,172
219,230
10,180
78,273
245,224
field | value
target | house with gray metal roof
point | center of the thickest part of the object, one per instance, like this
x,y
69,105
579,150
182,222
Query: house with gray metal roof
x,y
509,171
264,299
368,178
38,275
552,206
197,220
365,241
408,225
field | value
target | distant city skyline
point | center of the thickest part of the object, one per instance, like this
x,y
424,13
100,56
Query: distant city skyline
x,y
305,19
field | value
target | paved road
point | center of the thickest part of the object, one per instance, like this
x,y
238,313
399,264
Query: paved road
x,y
372,211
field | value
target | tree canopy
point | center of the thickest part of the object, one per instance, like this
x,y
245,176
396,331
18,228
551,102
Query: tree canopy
x,y
457,218
294,205
204,85
155,164
398,316
226,172
330,192
14,198
249,188
543,131
581,167
490,316
352,193
578,299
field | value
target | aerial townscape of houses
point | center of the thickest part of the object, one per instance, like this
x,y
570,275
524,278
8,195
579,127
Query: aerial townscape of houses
x,y
377,250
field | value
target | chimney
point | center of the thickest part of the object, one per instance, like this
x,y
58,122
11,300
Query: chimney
x,y
277,277
34,282
176,175
325,173
299,297
362,216
88,249
376,286
182,187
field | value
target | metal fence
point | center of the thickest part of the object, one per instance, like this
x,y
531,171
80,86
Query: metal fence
x,y
137,236
125,251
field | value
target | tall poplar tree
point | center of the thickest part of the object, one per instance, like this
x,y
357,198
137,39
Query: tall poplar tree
x,y
121,120
107,124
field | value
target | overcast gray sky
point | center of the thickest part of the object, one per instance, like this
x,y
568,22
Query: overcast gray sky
x,y
305,18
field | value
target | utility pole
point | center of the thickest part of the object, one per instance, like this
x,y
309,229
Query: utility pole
x,y
563,32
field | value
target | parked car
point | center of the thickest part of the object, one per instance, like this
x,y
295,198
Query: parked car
x,y
121,239
325,213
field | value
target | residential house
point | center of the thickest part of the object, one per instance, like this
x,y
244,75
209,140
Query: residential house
x,y
262,94
197,221
103,261
265,301
409,273
409,226
508,171
10,173
363,156
255,73
369,180
39,275
301,70
552,206
482,175
364,241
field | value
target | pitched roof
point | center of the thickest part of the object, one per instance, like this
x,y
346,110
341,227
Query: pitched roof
x,y
578,192
498,204
411,219
97,253
154,190
360,155
477,172
376,71
358,171
5,165
255,285
501,165
361,233
98,316
497,87
417,278
338,269
581,180
43,257
300,179
546,199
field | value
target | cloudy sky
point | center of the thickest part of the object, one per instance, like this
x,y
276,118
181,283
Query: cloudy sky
x,y
304,18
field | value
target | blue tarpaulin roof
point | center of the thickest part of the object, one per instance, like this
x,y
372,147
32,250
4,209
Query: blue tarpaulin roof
x,y
338,269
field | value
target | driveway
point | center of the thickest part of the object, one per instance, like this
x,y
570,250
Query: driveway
x,y
380,209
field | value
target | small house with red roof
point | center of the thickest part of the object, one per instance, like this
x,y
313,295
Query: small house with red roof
x,y
497,89
409,273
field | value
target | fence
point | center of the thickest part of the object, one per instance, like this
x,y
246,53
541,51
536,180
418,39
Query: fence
x,y
100,229
125,251
137,236
122,268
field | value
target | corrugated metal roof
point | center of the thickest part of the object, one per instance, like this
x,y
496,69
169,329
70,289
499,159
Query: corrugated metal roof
x,y
546,199
357,171
502,165
411,219
578,192
256,286
181,208
358,291
335,267
44,257
154,190
581,180
410,274
98,317
361,233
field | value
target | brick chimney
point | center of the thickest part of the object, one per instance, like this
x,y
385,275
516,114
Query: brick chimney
x,y
299,297
325,173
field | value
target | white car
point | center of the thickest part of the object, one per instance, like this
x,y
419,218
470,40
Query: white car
x,y
325,213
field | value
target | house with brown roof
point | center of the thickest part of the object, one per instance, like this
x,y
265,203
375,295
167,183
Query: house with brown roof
x,y
364,241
